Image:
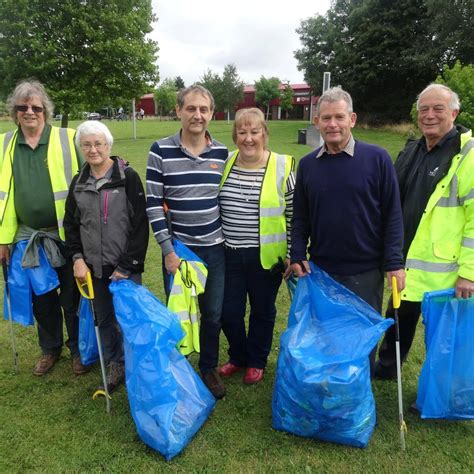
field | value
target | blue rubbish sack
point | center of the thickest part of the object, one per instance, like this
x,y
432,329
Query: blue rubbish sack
x,y
446,384
322,386
87,340
168,400
20,291
43,278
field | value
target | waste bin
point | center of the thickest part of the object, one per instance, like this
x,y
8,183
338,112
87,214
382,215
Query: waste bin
x,y
302,136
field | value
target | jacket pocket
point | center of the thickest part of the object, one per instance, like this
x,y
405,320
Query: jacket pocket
x,y
446,250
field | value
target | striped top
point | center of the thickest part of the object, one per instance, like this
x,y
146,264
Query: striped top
x,y
239,203
189,185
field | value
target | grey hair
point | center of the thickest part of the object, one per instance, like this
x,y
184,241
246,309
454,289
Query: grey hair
x,y
454,103
93,127
334,94
24,91
194,88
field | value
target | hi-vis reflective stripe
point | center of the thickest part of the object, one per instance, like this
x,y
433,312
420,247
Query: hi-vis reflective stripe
x,y
3,195
176,290
6,141
434,267
63,137
453,200
60,195
280,176
186,316
272,211
468,242
272,238
200,275
469,195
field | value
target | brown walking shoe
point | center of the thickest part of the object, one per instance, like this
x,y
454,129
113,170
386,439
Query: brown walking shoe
x,y
45,364
214,383
78,368
115,377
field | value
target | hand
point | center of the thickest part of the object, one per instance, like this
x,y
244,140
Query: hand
x,y
464,288
80,270
399,275
118,276
5,253
296,267
172,262
288,270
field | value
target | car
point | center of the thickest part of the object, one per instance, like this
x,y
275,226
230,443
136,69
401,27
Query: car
x,y
94,116
58,117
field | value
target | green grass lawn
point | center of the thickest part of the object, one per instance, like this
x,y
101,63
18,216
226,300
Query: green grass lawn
x,y
51,424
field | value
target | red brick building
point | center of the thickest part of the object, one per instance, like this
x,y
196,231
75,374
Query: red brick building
x,y
301,104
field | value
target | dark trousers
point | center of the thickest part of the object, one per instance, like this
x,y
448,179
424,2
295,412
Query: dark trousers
x,y
110,333
210,303
244,275
49,315
369,287
408,316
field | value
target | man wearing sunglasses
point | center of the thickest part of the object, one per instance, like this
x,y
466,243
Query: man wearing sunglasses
x,y
37,163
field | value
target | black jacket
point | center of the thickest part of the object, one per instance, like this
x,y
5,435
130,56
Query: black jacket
x,y
108,227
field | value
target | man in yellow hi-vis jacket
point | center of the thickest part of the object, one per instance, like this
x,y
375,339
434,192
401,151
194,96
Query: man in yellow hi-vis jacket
x,y
37,163
436,179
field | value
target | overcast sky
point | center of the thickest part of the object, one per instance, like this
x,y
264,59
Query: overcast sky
x,y
258,36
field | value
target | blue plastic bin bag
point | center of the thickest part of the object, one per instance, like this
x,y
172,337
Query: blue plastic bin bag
x,y
20,291
87,340
446,384
322,387
43,278
168,400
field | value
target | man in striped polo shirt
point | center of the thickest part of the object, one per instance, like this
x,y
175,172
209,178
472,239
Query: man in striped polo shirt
x,y
183,173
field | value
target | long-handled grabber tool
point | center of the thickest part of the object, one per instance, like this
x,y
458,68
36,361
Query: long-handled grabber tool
x,y
9,309
87,291
396,305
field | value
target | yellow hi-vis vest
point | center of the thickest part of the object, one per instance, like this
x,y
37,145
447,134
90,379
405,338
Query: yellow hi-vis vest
x,y
62,166
443,246
189,281
272,220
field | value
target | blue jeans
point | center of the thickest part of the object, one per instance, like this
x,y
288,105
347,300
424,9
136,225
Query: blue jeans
x,y
244,275
210,303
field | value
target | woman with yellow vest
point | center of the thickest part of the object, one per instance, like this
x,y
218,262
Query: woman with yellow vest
x,y
256,200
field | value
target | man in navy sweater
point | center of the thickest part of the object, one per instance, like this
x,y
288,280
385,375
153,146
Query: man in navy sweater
x,y
347,206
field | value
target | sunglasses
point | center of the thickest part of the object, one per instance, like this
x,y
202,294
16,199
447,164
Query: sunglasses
x,y
24,108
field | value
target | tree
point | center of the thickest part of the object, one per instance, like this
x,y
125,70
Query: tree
x,y
266,90
87,53
461,80
165,96
286,98
382,52
232,88
179,83
213,83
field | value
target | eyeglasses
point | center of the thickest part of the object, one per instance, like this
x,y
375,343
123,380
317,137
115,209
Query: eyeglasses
x,y
88,146
24,108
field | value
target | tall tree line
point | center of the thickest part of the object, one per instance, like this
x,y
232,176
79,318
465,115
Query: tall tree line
x,y
384,52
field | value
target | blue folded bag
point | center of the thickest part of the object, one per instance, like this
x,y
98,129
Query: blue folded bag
x,y
87,340
322,387
446,384
20,290
168,400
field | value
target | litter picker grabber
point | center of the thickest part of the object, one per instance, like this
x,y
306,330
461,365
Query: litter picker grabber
x,y
396,305
9,309
87,291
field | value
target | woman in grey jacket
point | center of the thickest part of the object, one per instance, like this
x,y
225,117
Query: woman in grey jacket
x,y
106,232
